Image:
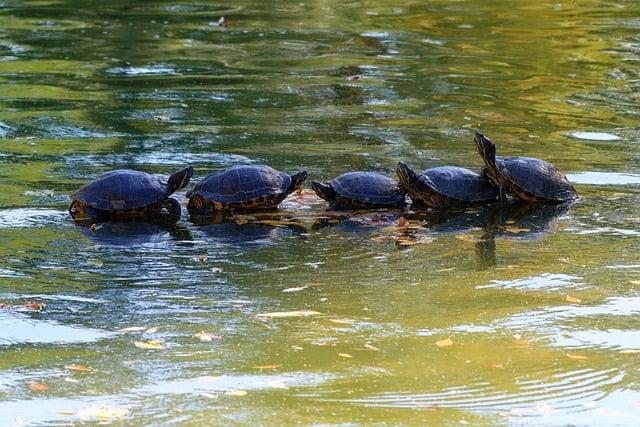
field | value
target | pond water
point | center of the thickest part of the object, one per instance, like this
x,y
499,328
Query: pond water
x,y
524,316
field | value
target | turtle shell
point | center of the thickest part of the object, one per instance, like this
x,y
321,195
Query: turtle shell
x,y
368,187
459,183
122,190
536,177
241,184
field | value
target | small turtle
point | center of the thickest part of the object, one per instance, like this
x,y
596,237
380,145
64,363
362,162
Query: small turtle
x,y
243,188
122,194
524,178
361,190
446,186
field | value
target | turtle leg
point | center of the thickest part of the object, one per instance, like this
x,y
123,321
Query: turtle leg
x,y
165,209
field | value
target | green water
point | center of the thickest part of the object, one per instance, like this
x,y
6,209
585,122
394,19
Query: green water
x,y
540,306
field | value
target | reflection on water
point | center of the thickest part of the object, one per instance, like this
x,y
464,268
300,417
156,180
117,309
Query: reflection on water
x,y
539,303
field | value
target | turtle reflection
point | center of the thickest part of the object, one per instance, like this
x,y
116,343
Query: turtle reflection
x,y
132,233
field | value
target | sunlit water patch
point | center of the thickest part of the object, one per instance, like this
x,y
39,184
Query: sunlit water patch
x,y
595,136
544,282
604,178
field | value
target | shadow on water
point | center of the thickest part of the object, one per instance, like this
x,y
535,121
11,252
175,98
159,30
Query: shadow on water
x,y
134,233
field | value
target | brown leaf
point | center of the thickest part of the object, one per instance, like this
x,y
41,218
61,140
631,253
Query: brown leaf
x,y
516,230
402,222
498,366
444,343
206,337
38,387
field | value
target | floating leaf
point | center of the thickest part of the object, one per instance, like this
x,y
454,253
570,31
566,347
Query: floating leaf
x,y
285,314
216,270
277,384
34,306
67,413
298,289
263,367
516,230
345,355
630,351
571,299
371,347
151,331
71,380
236,393
209,395
444,343
38,387
209,378
78,368
148,345
498,366
576,356
402,222
206,337
522,342
634,282
102,412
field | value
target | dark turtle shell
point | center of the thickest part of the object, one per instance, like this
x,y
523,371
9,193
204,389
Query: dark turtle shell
x,y
124,190
446,185
363,189
243,184
524,178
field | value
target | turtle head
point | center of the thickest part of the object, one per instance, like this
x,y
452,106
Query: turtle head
x,y
486,148
406,175
297,181
324,191
179,179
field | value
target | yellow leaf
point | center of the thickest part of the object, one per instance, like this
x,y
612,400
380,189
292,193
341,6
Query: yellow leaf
x,y
498,366
262,367
285,314
345,355
444,343
634,282
236,393
631,351
66,413
148,345
575,300
576,356
71,380
78,368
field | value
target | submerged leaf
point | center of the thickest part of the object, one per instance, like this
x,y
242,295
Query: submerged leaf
x,y
576,356
285,314
444,343
206,337
574,300
78,368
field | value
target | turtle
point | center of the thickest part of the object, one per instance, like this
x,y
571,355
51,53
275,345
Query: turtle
x,y
124,193
244,187
524,178
446,186
361,190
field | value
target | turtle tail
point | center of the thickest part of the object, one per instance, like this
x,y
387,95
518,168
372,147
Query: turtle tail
x,y
179,179
297,181
486,148
324,191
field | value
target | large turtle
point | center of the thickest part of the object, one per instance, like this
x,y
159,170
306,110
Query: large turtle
x,y
524,178
244,187
361,190
446,186
123,194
